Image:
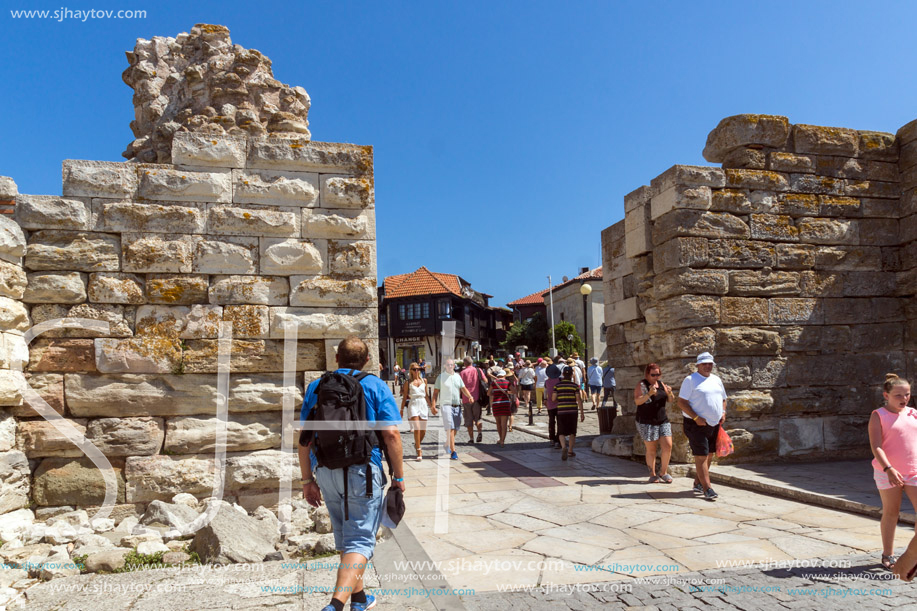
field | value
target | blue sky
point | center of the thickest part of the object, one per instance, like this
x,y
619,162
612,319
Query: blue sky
x,y
506,133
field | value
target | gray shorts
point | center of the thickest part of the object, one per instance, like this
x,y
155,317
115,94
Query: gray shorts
x,y
472,413
652,432
452,417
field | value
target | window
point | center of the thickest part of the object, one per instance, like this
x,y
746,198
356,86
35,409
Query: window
x,y
414,311
401,312
444,308
383,320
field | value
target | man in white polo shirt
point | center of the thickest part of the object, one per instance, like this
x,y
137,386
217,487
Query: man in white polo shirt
x,y
702,399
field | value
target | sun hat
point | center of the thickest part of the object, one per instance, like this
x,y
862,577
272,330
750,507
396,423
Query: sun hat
x,y
394,507
704,357
594,360
499,372
553,371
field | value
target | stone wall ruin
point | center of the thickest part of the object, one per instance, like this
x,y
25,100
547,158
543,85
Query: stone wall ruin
x,y
250,223
793,263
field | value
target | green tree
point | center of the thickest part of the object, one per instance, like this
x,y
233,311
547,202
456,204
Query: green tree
x,y
564,345
532,332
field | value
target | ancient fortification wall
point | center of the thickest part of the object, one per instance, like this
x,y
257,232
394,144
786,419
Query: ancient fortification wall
x,y
256,226
794,265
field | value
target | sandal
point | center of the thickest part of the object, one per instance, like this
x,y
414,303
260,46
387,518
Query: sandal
x,y
666,479
654,479
889,561
571,453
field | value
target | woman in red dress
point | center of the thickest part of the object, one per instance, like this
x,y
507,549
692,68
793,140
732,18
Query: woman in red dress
x,y
500,397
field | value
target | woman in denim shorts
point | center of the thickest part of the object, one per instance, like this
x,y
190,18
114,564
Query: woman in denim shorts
x,y
651,396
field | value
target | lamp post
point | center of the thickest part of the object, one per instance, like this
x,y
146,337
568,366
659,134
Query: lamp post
x,y
551,299
585,289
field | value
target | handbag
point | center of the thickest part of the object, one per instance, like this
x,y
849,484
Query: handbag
x,y
724,445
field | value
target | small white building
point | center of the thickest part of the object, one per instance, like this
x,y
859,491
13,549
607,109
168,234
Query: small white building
x,y
569,307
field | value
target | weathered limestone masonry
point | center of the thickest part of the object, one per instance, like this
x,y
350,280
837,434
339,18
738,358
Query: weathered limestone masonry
x,y
794,264
257,230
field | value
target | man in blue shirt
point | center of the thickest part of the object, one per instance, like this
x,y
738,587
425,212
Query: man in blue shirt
x,y
354,538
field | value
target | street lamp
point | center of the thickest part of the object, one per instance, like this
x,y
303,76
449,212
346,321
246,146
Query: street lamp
x,y
585,289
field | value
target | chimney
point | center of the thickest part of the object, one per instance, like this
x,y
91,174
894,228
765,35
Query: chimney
x,y
583,270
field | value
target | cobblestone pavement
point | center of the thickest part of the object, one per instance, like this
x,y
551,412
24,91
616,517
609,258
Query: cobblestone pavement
x,y
843,582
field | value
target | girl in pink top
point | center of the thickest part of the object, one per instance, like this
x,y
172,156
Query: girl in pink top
x,y
893,437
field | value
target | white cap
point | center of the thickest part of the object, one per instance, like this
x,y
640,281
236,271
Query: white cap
x,y
704,357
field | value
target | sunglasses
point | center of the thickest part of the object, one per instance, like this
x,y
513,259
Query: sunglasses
x,y
655,375
415,368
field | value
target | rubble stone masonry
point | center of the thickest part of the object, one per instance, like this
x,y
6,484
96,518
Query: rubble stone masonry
x,y
260,231
794,264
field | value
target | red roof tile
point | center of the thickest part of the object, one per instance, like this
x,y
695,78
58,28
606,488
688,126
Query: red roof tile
x,y
533,299
537,298
422,282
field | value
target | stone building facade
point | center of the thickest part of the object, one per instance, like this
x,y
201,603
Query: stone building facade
x,y
793,263
263,229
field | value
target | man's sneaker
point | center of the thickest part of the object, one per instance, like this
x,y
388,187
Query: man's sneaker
x,y
454,457
710,495
698,488
369,604
480,436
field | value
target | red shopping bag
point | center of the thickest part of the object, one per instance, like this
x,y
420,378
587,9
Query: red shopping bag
x,y
723,443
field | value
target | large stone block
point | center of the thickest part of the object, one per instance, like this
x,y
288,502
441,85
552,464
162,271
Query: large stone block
x,y
689,176
51,212
148,217
126,436
740,131
764,180
695,223
773,227
8,188
129,395
120,319
828,230
734,201
352,258
254,290
324,323
261,470
73,251
151,253
826,140
244,432
62,355
320,291
152,478
876,338
857,310
814,184
339,224
747,402
210,150
226,256
879,232
99,179
166,184
743,310
248,321
284,257
15,483
75,482
39,438
881,146
795,256
184,322
829,205
10,391
764,283
800,436
848,258
8,428
12,241
683,311
50,387
798,204
826,339
13,315
55,287
347,192
683,343
13,351
747,340
690,281
138,355
790,310
252,356
768,372
253,220
275,188
778,161
740,254
169,289
12,280
680,197
310,156
845,433
114,287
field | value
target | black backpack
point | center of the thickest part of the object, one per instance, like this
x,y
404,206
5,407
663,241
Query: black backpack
x,y
340,401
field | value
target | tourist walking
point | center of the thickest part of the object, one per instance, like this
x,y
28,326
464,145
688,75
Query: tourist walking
x,y
501,396
568,396
552,377
451,388
702,399
540,376
594,381
514,401
651,396
893,438
608,385
355,518
526,383
415,399
474,382
423,368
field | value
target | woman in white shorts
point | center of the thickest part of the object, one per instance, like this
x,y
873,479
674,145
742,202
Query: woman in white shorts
x,y
414,397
